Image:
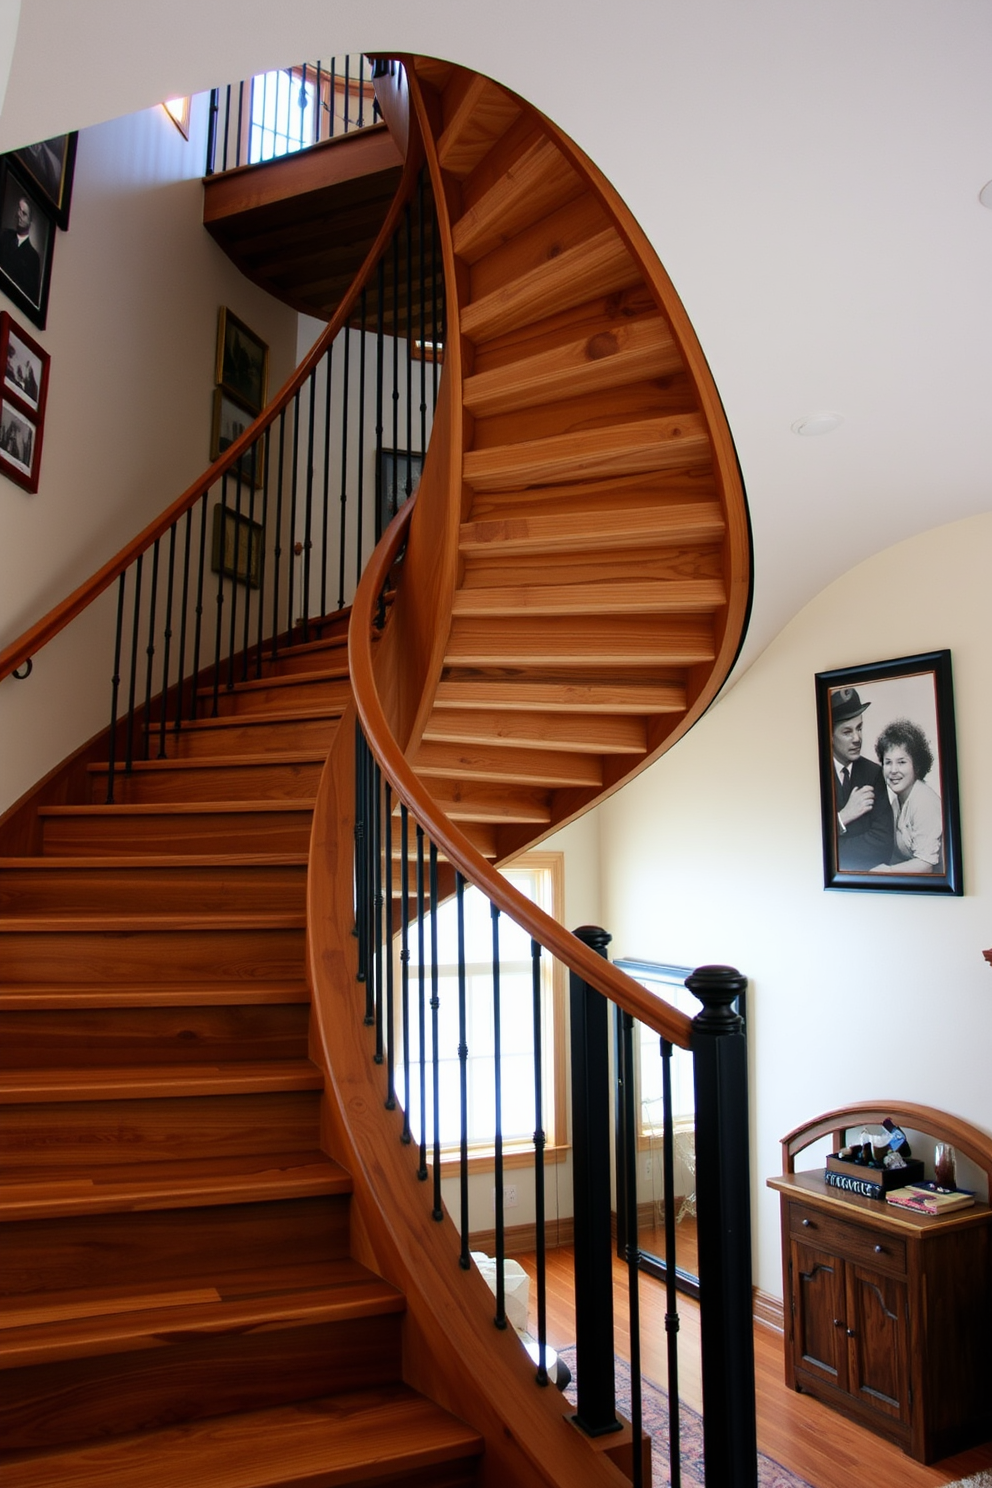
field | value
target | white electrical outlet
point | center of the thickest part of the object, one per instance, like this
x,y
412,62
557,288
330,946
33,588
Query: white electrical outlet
x,y
647,1167
509,1196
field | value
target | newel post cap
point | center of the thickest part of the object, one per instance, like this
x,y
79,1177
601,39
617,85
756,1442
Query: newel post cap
x,y
594,936
717,987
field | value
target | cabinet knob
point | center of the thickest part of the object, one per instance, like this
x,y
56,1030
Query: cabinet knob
x,y
807,1224
880,1250
838,1322
850,1332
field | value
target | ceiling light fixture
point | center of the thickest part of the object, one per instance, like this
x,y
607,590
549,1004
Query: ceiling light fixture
x,y
817,423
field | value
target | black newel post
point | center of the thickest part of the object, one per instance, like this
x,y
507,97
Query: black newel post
x,y
595,1385
723,1203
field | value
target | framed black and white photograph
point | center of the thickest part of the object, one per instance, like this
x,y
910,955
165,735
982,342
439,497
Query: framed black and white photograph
x,y
888,776
397,478
237,547
20,446
27,242
242,361
25,364
230,420
50,165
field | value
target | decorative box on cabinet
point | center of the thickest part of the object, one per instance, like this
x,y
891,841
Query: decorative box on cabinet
x,y
888,1313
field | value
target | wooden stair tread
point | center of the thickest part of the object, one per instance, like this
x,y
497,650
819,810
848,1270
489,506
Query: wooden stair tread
x,y
133,923
642,445
193,1184
270,715
547,768
337,673
135,1321
154,860
174,808
535,183
585,694
607,641
601,265
154,1082
483,112
610,527
468,800
360,1435
216,762
608,358
64,995
610,597
584,732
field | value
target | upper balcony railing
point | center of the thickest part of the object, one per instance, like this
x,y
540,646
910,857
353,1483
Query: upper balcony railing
x,y
289,109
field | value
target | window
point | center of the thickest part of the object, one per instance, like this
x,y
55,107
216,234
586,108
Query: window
x,y
539,877
283,114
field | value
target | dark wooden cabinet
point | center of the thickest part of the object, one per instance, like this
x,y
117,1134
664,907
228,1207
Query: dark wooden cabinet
x,y
888,1314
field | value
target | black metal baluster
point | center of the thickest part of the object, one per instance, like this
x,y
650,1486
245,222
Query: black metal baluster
x,y
180,681
437,1212
227,123
390,987
115,683
325,537
166,655
233,632
626,1068
423,313
671,1278
129,752
265,447
212,117
347,94
396,368
379,379
464,1258
291,549
219,611
241,105
150,652
539,1145
361,881
344,465
361,90
195,677
500,1318
406,1133
333,79
252,458
302,101
435,319
360,505
421,1006
377,948
408,219
308,510
277,548
320,103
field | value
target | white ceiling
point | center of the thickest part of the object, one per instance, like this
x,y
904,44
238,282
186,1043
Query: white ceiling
x,y
807,169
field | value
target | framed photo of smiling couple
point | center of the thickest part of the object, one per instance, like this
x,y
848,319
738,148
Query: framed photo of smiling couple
x,y
889,776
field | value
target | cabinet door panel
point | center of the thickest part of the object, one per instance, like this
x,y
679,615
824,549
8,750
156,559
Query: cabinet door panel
x,y
818,1305
878,1318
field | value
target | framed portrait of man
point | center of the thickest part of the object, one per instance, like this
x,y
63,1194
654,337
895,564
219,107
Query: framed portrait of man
x,y
888,776
50,165
27,242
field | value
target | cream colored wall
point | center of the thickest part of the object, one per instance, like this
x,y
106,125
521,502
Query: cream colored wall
x,y
132,327
714,855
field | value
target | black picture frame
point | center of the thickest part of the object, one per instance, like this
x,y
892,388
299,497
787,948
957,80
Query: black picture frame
x,y
237,548
242,361
397,477
25,280
903,834
51,165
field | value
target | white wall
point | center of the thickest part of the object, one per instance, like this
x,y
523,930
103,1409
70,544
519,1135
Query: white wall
x,y
132,326
714,855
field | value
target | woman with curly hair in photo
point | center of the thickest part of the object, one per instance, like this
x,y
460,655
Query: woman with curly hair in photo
x,y
906,758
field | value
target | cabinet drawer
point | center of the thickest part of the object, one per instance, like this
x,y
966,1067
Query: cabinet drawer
x,y
856,1242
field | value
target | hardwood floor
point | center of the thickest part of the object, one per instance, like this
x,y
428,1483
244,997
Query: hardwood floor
x,y
800,1433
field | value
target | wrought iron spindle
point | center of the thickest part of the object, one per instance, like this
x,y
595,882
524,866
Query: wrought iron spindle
x,y
291,547
380,281
115,683
150,652
250,554
167,649
423,314
219,611
347,94
421,1007
233,630
539,1145
277,547
181,680
195,675
360,505
361,90
265,449
308,506
500,1318
437,1212
671,1268
345,382
387,811
132,679
408,219
406,1134
361,881
241,106
464,1259
327,478
629,1188
377,947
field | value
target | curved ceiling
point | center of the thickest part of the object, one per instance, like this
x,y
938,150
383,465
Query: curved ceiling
x,y
808,172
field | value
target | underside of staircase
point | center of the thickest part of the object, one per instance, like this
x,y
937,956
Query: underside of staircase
x,y
181,1304
186,1278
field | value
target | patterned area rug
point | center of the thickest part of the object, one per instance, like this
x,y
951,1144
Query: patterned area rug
x,y
981,1479
654,1405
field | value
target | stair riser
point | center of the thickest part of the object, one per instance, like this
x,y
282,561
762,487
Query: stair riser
x,y
275,782
322,657
157,956
207,832
333,693
85,1134
146,1036
191,1379
282,736
53,889
169,1245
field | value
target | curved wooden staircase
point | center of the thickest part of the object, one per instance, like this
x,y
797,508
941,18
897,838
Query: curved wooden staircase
x,y
192,1293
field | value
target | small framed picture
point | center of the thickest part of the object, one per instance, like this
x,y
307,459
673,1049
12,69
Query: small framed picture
x,y
398,476
27,241
242,362
230,420
25,363
237,547
20,445
50,165
888,776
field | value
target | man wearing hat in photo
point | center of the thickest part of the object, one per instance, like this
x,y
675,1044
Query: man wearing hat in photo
x,y
865,828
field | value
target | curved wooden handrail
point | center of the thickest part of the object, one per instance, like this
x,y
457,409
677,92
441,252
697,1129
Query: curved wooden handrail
x,y
968,1139
32,640
573,953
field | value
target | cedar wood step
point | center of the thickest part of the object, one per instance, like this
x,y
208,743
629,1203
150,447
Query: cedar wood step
x,y
206,883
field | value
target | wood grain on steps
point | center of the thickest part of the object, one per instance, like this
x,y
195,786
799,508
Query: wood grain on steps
x,y
467,800
177,827
609,597
581,732
280,694
603,641
543,768
194,1183
578,694
156,1082
623,448
206,884
538,180
259,733
610,527
34,1038
316,1444
188,993
265,777
477,113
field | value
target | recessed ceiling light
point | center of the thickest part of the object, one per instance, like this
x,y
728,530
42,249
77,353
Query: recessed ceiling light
x,y
985,195
817,423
